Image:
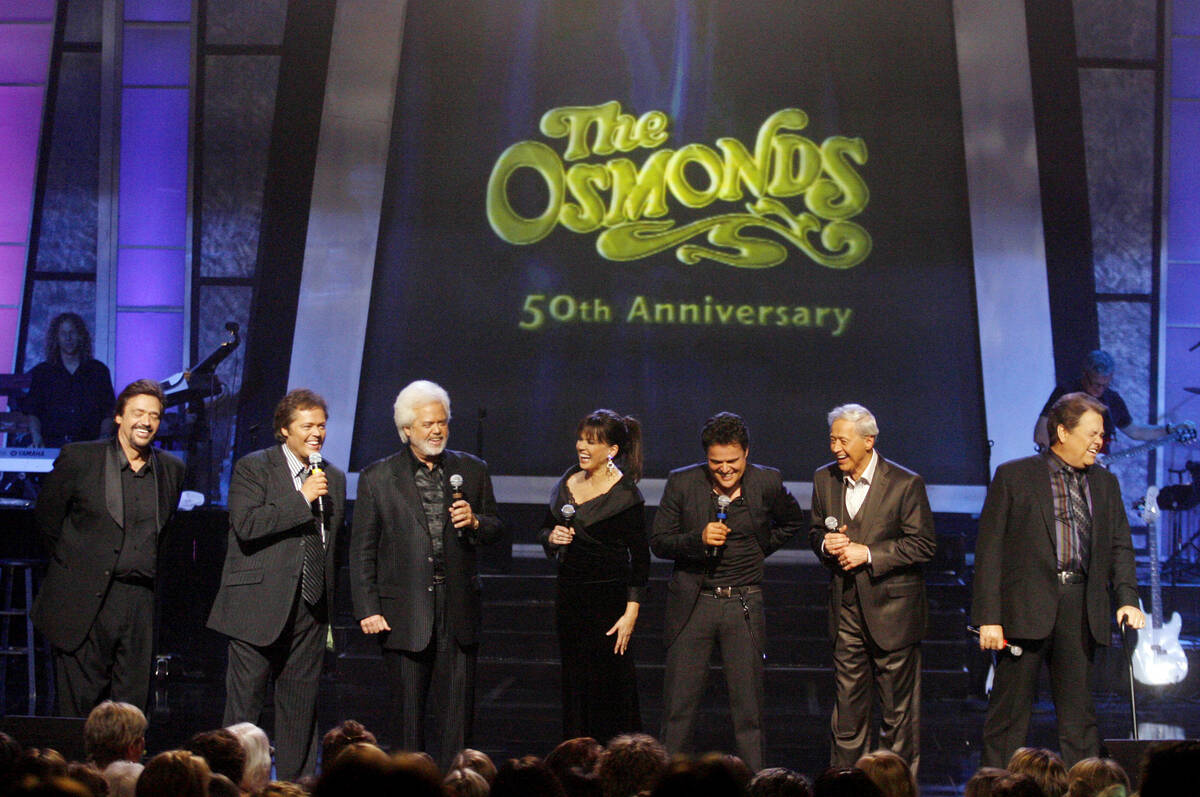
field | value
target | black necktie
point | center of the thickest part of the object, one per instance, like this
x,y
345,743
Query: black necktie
x,y
312,579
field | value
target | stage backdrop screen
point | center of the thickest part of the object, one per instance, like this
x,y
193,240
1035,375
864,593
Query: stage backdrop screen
x,y
673,209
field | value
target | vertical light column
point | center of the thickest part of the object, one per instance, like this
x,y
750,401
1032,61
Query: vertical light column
x,y
26,40
1180,367
153,235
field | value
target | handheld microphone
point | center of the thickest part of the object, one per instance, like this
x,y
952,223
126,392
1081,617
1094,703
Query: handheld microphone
x,y
1015,650
723,502
456,494
316,463
568,516
831,523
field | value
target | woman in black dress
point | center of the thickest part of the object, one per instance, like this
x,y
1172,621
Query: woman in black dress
x,y
603,562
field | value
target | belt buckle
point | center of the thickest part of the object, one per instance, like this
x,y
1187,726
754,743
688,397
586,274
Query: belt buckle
x,y
723,592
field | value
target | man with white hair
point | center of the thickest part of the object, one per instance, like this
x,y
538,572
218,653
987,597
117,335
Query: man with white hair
x,y
873,528
418,519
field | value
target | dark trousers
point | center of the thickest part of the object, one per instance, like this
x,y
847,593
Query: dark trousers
x,y
737,625
114,661
444,668
1069,651
862,668
294,662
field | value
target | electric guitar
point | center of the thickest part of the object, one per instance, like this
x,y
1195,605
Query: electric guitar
x,y
1158,659
1183,432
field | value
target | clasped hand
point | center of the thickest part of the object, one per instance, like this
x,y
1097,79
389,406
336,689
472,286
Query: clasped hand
x,y
849,555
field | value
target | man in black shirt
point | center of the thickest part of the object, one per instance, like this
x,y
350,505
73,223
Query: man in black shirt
x,y
71,393
413,569
716,589
100,512
1097,376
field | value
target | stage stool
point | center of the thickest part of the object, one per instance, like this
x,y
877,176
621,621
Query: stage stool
x,y
17,577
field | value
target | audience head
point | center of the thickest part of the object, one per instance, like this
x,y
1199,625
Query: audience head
x,y
1089,777
41,762
89,777
1170,768
1046,767
582,753
779,782
122,777
845,782
222,751
477,760
363,770
527,776
712,775
466,783
221,786
890,773
281,788
344,733
10,753
257,772
1012,785
630,763
114,732
175,773
980,784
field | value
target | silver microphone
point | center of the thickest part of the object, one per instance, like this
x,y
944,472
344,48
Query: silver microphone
x,y
568,516
316,463
831,523
456,494
1015,650
723,502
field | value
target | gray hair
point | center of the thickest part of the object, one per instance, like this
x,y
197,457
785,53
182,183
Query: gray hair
x,y
417,394
857,414
258,755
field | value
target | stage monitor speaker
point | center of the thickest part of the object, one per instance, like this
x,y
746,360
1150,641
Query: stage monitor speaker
x,y
64,734
1129,754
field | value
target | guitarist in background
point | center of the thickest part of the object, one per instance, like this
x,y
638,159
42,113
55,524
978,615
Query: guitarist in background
x,y
1053,541
1096,381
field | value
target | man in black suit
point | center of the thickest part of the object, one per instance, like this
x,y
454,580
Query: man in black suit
x,y
1053,540
101,512
285,510
882,533
715,594
412,568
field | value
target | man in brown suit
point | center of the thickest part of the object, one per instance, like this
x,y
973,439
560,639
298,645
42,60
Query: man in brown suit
x,y
872,527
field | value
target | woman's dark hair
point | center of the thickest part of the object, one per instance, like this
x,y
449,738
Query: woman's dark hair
x,y
526,777
614,429
53,355
845,782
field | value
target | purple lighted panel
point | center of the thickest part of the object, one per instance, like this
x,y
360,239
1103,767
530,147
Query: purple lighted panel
x,y
157,56
158,10
12,273
27,10
25,53
149,345
1183,224
150,277
154,153
20,121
